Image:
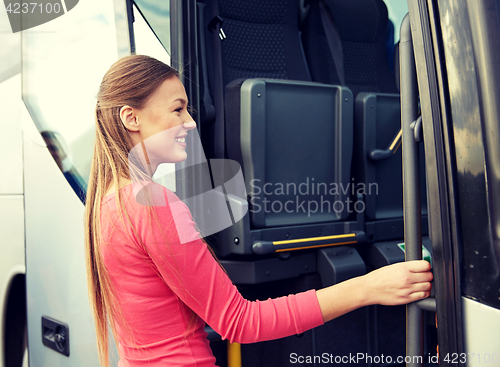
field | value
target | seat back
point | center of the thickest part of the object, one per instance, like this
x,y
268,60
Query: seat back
x,y
294,140
298,135
362,26
262,41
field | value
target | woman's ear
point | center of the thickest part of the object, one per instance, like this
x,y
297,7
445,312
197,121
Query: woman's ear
x,y
129,118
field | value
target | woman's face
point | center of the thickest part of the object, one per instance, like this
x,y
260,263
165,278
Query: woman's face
x,y
164,122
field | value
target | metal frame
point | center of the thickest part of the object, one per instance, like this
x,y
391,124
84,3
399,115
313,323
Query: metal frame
x,y
432,83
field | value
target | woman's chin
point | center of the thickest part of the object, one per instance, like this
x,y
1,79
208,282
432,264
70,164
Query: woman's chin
x,y
178,158
181,158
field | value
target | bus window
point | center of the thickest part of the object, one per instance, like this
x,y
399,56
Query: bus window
x,y
397,10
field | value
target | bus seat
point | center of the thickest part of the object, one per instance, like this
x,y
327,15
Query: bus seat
x,y
377,125
283,129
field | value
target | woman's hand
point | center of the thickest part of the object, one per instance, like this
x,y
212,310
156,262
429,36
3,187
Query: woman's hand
x,y
399,283
395,284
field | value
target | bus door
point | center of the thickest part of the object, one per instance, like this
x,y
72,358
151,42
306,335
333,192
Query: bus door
x,y
455,52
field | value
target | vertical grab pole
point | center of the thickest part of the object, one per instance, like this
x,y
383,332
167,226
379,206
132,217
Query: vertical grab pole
x,y
411,188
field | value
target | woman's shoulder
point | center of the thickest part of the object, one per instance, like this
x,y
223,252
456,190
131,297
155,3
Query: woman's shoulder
x,y
152,194
144,193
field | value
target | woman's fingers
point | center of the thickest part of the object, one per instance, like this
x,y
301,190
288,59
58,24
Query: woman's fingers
x,y
422,277
418,296
417,287
420,271
418,266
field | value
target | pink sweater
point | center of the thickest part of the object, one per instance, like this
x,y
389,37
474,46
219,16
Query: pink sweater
x,y
161,283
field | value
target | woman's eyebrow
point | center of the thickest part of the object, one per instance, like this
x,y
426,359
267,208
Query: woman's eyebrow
x,y
182,100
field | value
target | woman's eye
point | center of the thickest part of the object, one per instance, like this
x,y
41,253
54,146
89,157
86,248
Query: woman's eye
x,y
178,109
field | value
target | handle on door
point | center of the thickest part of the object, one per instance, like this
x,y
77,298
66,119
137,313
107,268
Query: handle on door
x,y
411,188
55,335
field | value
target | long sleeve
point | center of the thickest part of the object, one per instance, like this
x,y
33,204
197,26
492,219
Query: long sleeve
x,y
192,273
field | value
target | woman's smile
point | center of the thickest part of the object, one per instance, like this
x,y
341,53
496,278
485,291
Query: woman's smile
x,y
181,140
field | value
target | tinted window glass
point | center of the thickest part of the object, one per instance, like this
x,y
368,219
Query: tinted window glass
x,y
397,10
480,278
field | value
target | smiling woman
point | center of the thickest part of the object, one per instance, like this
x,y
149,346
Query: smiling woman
x,y
150,274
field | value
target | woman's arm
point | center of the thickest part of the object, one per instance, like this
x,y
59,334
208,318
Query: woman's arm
x,y
396,284
192,273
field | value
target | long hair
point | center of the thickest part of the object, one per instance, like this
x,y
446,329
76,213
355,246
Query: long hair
x,y
130,81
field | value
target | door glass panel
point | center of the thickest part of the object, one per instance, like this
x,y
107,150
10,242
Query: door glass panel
x,y
64,61
156,13
146,43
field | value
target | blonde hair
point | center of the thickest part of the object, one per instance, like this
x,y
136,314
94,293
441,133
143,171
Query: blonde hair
x,y
130,81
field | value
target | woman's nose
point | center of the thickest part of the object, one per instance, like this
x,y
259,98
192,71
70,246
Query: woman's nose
x,y
190,125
